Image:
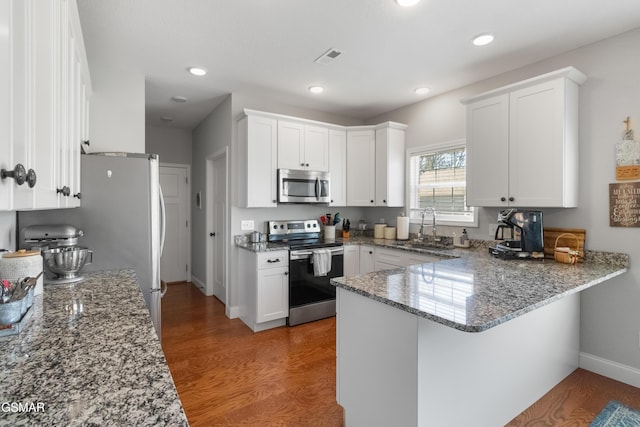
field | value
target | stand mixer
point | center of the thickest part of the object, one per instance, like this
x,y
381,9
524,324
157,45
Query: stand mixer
x,y
63,258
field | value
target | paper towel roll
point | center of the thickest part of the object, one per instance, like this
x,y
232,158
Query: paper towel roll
x,y
378,231
402,223
21,264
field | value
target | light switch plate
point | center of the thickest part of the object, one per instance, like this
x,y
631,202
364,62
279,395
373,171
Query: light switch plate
x,y
247,224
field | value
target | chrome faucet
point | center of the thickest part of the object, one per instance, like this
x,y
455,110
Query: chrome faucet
x,y
433,224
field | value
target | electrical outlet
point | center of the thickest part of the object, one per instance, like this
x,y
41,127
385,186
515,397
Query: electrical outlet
x,y
492,229
246,225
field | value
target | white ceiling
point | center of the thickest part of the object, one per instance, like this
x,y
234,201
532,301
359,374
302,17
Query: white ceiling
x,y
267,47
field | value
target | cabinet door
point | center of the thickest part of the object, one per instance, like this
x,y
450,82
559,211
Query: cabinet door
x,y
361,167
537,145
290,145
22,96
351,260
386,259
367,259
6,160
316,148
390,160
488,152
257,154
338,167
272,294
47,125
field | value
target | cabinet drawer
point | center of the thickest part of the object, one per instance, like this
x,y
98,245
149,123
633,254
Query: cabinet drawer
x,y
273,259
420,259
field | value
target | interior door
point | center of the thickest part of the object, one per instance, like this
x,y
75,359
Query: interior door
x,y
174,264
219,220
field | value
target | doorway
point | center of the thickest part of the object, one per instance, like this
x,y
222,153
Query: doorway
x,y
217,218
176,257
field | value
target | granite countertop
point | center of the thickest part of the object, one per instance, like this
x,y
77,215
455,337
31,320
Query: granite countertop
x,y
89,356
474,291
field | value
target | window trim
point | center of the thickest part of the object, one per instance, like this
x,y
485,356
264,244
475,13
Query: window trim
x,y
441,146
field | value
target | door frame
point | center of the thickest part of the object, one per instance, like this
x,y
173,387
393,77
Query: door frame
x,y
224,153
188,213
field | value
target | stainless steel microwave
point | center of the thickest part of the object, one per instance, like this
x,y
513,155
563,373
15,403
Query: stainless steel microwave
x,y
303,186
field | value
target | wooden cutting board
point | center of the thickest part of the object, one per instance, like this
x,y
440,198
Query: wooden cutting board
x,y
551,234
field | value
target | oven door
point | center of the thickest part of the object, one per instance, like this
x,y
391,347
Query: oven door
x,y
312,297
296,186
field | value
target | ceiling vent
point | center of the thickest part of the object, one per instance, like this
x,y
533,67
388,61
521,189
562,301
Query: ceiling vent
x,y
329,56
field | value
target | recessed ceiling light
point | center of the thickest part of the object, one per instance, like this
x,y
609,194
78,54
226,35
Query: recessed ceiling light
x,y
179,98
421,90
166,119
197,71
407,3
482,39
316,89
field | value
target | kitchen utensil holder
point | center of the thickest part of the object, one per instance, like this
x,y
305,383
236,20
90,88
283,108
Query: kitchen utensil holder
x,y
564,256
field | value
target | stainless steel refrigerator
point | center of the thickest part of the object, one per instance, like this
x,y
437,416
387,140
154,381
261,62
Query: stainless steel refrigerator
x,y
122,215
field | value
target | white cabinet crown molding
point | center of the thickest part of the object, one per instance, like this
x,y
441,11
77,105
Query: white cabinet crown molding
x,y
570,73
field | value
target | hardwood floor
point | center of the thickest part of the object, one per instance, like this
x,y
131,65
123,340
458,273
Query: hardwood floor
x,y
576,401
228,376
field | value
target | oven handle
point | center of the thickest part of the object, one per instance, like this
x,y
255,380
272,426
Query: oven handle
x,y
294,255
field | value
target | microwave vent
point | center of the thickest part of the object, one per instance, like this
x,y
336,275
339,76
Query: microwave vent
x,y
329,56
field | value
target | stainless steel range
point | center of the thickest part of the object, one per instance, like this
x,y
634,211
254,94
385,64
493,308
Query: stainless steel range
x,y
311,296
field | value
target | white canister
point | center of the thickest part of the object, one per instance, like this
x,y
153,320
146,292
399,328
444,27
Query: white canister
x,y
329,232
390,233
378,231
402,223
21,264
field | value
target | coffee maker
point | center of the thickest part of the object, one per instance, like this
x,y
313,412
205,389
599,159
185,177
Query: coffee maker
x,y
521,234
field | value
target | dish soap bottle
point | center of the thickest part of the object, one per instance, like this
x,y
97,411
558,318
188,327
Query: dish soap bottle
x,y
464,238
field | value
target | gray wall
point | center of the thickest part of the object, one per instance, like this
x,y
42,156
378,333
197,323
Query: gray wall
x,y
210,137
173,145
610,319
116,121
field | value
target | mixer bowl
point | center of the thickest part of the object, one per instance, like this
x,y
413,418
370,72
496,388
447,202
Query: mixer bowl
x,y
67,262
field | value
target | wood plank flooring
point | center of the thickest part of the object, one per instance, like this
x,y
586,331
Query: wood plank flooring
x,y
228,376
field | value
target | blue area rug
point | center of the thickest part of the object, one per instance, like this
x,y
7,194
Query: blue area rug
x,y
615,414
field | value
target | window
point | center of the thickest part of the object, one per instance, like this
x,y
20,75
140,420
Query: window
x,y
437,179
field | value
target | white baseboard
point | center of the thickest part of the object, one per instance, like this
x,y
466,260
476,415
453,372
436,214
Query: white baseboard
x,y
232,312
608,368
199,284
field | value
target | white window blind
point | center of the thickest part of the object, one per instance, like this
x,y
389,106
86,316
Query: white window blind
x,y
437,179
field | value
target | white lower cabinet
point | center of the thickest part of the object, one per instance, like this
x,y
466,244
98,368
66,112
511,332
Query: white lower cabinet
x,y
264,289
387,259
351,260
367,259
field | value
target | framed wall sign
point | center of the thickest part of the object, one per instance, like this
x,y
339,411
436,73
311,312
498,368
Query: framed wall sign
x,y
624,204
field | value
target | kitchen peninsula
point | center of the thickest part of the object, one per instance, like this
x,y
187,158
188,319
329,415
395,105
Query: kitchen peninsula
x,y
467,341
88,356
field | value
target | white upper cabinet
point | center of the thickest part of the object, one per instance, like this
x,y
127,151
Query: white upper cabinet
x,y
257,160
302,146
522,143
375,165
361,167
365,163
338,166
390,160
47,94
